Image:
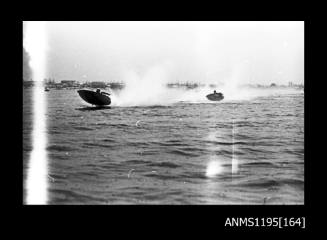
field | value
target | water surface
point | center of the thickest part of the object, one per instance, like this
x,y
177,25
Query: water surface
x,y
163,154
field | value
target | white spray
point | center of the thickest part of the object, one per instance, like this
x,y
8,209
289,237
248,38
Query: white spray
x,y
150,88
212,59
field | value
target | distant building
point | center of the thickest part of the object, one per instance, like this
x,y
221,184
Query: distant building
x,y
57,85
173,85
28,83
69,83
116,85
98,85
49,80
273,85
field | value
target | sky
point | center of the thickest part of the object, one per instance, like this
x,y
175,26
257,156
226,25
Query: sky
x,y
206,52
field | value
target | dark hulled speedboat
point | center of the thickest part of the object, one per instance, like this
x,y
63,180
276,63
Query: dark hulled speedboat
x,y
215,96
95,98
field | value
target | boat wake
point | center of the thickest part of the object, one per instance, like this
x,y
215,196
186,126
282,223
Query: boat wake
x,y
173,96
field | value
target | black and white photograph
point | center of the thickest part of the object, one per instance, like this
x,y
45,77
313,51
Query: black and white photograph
x,y
163,113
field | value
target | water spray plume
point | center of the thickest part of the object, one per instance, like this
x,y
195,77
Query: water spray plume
x,y
144,88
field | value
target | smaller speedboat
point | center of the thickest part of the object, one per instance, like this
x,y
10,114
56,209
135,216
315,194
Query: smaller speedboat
x,y
46,89
215,96
96,98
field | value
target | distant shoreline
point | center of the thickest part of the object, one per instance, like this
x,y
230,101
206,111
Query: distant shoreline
x,y
119,86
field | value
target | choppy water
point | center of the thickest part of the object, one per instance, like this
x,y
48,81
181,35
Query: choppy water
x,y
230,152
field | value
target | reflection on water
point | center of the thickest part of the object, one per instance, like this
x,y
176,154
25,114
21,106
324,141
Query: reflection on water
x,y
214,168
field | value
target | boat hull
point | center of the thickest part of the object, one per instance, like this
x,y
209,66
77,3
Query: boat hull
x,y
94,98
215,97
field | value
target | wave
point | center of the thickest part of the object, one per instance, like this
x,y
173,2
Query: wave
x,y
61,196
108,140
102,124
227,143
137,161
164,164
260,183
163,176
269,183
174,144
60,148
83,128
183,153
97,145
261,163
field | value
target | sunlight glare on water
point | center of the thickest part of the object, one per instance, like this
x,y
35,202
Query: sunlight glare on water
x,y
213,168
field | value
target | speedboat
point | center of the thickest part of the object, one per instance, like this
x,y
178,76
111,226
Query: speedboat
x,y
215,96
96,98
